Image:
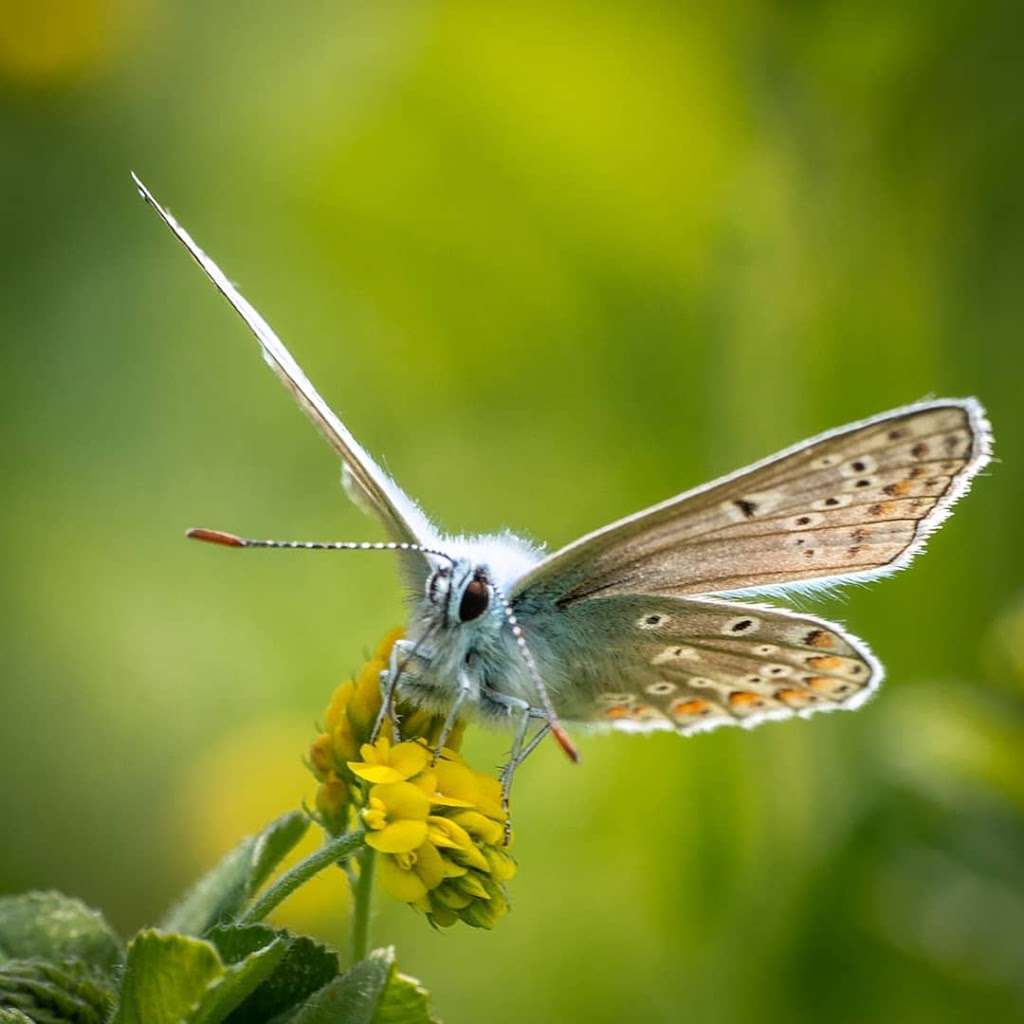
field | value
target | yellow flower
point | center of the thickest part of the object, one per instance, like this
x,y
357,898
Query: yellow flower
x,y
410,876
396,817
438,829
456,779
383,763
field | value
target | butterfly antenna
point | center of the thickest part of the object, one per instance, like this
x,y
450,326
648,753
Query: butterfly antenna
x,y
230,540
560,735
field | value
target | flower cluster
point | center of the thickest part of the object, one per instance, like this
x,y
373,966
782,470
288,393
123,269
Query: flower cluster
x,y
438,828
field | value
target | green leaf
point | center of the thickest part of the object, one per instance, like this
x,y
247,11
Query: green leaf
x,y
13,1017
351,998
274,843
306,967
236,942
178,979
166,977
239,982
371,992
50,992
405,1001
51,926
221,893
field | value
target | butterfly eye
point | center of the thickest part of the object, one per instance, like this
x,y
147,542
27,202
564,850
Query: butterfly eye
x,y
475,599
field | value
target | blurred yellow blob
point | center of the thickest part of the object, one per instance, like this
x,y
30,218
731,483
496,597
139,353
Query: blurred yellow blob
x,y
245,779
54,42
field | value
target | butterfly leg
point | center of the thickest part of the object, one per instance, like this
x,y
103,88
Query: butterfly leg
x,y
535,742
466,689
521,749
403,649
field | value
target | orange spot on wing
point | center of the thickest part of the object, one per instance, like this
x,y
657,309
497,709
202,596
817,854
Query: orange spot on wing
x,y
690,707
898,489
819,638
828,685
742,699
616,711
794,698
826,662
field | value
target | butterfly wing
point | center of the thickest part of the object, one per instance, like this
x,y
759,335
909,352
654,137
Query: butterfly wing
x,y
640,663
366,483
852,504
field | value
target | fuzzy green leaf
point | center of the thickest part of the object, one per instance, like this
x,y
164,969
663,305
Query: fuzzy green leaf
x,y
351,998
306,967
13,1017
218,895
46,992
221,893
371,992
166,978
51,926
273,844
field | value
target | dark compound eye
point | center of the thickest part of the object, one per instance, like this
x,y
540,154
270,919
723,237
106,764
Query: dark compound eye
x,y
475,599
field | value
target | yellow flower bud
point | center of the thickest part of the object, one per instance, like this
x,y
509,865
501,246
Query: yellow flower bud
x,y
343,740
447,895
471,885
479,826
442,916
503,867
416,722
321,756
366,700
332,801
383,651
338,706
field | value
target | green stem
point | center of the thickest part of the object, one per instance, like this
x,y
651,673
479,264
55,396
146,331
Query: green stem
x,y
362,893
328,854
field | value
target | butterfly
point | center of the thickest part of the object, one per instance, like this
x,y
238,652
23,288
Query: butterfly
x,y
636,626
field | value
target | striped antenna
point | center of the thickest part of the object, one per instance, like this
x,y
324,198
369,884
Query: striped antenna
x,y
560,735
229,540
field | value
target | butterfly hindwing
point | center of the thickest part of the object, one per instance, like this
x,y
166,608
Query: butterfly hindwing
x,y
648,662
854,503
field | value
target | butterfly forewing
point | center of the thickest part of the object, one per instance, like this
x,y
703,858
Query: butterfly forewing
x,y
364,480
854,503
688,665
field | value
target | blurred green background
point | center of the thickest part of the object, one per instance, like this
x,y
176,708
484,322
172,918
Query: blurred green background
x,y
555,262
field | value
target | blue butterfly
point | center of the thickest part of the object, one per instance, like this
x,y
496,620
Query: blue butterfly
x,y
634,627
